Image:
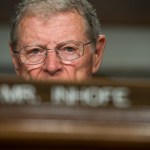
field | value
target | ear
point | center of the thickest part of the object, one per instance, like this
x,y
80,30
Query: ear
x,y
99,49
15,59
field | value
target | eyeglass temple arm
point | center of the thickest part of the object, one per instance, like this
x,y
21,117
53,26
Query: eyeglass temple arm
x,y
15,51
89,42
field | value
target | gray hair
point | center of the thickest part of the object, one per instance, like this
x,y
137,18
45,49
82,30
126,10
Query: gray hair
x,y
50,7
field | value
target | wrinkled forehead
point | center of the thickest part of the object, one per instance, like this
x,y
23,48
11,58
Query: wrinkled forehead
x,y
45,18
69,23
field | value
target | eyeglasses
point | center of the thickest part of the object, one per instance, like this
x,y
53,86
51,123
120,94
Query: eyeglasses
x,y
69,50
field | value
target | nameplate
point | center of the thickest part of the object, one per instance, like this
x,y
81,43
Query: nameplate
x,y
92,94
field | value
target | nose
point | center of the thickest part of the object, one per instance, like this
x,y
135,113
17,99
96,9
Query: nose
x,y
53,65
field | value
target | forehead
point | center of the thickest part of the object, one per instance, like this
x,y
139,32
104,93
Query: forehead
x,y
58,27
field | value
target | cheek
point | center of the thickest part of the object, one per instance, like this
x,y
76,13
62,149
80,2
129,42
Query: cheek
x,y
86,61
82,65
31,70
33,67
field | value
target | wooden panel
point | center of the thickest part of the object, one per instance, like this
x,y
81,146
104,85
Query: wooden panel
x,y
42,127
49,125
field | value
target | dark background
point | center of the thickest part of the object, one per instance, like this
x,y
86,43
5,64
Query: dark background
x,y
110,11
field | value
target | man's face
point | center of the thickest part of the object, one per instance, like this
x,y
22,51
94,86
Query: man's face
x,y
49,33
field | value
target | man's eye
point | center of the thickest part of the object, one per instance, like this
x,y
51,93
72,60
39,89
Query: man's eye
x,y
34,51
70,49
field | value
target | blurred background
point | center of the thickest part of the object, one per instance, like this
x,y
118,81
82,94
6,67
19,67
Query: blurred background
x,y
126,25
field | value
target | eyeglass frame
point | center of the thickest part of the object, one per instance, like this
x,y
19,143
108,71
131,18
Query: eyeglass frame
x,y
55,49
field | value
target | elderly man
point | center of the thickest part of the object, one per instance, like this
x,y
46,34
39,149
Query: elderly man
x,y
56,40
